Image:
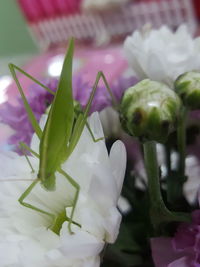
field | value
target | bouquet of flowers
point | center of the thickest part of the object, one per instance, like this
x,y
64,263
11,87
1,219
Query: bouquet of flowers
x,y
72,196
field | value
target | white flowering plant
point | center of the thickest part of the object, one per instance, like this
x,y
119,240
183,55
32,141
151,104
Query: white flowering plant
x,y
64,197
67,188
161,54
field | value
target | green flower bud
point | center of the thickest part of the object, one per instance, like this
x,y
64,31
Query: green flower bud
x,y
187,87
149,111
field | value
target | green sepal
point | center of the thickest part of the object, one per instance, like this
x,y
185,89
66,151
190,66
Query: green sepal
x,y
149,111
187,87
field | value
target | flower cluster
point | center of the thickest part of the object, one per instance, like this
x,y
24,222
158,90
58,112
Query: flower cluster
x,y
163,179
17,118
173,58
39,99
162,55
182,249
25,235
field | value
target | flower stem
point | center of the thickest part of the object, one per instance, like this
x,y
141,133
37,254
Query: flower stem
x,y
168,158
152,170
181,140
158,211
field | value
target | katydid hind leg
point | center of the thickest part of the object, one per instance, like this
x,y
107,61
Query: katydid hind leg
x,y
92,135
29,111
77,188
82,120
113,98
13,67
30,206
100,75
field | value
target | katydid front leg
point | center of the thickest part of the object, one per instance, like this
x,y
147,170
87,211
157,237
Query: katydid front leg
x,y
21,145
13,69
30,188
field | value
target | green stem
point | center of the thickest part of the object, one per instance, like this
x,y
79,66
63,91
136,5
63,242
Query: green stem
x,y
170,178
181,140
168,159
151,164
158,211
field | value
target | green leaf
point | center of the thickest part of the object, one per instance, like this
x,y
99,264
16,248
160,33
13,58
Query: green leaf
x,y
58,128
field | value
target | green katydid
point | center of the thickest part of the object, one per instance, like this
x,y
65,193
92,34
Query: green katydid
x,y
61,133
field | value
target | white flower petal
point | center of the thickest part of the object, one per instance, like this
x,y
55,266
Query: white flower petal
x,y
25,232
118,163
162,55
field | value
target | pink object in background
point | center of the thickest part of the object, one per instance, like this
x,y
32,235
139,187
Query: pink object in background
x,y
55,21
36,10
32,10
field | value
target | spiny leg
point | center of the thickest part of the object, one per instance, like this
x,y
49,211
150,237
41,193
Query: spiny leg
x,y
72,182
29,111
26,147
100,75
27,205
82,118
92,135
77,188
114,100
27,159
30,188
12,69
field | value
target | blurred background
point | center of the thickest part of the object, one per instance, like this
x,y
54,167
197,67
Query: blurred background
x,y
29,25
34,35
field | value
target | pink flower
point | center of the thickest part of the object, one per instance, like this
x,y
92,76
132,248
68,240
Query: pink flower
x,y
183,250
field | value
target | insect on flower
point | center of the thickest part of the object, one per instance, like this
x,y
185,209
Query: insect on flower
x,y
61,133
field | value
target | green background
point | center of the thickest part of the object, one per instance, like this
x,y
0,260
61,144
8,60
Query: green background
x,y
15,38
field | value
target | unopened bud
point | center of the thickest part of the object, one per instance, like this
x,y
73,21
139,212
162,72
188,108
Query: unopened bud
x,y
149,111
187,87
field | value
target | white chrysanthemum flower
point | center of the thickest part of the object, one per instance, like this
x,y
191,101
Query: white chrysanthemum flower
x,y
162,55
25,237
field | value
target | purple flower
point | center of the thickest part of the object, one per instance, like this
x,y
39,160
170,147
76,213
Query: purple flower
x,y
17,118
39,99
102,99
181,250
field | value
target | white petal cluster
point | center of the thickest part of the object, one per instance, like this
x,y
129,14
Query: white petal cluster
x,y
25,237
162,55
